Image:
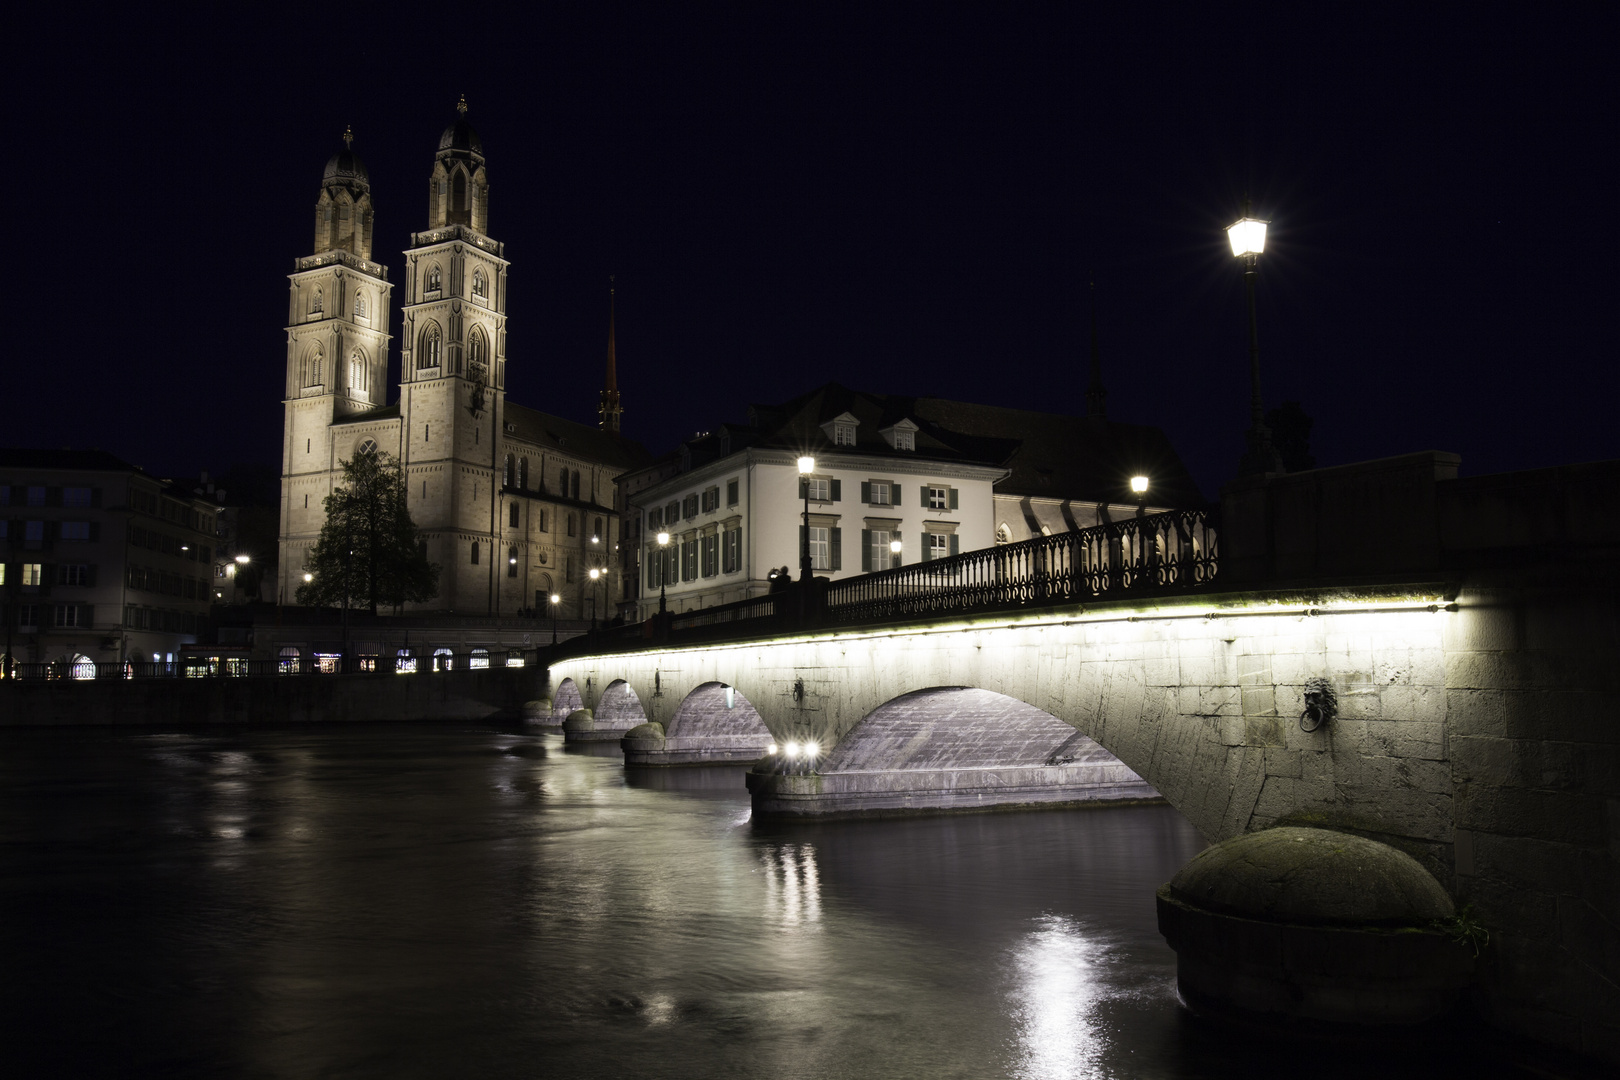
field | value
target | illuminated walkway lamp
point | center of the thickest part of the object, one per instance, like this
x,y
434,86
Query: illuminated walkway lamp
x,y
596,576
1247,236
807,465
554,600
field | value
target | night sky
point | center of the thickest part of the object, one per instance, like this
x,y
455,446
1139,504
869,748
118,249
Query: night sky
x,y
905,199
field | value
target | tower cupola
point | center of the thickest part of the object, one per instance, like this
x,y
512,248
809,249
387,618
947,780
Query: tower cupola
x,y
458,191
343,213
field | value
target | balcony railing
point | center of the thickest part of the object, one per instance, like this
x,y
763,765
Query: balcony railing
x,y
1173,551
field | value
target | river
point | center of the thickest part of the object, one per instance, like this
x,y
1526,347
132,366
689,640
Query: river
x,y
450,901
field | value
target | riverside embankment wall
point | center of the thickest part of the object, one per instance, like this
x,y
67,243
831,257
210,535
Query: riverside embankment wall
x,y
447,695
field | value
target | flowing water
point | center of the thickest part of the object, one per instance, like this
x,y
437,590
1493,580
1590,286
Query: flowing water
x,y
436,901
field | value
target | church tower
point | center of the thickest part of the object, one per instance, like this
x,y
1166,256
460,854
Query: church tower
x,y
337,350
453,371
608,407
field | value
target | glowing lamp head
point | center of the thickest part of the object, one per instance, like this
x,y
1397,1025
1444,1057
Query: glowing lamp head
x,y
811,749
242,560
594,540
1139,484
595,573
512,559
555,599
771,750
792,749
663,539
308,578
894,546
1247,236
807,465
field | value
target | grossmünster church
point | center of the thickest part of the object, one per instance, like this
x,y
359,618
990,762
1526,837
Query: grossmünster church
x,y
514,504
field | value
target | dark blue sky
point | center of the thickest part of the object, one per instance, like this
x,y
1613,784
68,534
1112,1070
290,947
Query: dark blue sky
x,y
907,199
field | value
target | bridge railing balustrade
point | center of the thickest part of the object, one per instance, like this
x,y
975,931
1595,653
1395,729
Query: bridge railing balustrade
x,y
1173,550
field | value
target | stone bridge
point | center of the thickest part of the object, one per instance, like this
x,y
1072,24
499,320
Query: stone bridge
x,y
1461,631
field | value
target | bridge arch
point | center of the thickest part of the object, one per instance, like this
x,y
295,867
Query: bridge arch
x,y
565,700
718,710
620,707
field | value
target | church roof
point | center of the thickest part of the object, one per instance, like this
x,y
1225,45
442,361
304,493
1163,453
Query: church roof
x,y
582,440
382,412
346,168
28,458
460,135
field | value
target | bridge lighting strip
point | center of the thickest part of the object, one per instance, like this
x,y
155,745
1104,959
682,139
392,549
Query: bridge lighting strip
x,y
1431,605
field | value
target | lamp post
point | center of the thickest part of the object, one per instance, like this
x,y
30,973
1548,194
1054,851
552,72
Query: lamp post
x,y
663,568
807,465
554,600
596,576
894,552
1247,236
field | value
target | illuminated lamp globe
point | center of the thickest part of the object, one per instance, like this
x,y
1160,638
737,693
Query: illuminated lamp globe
x,y
1139,484
308,578
243,559
894,546
807,465
1247,236
663,539
555,599
595,573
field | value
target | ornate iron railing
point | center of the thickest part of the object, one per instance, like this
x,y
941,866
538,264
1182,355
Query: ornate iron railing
x,y
1170,551
236,667
758,607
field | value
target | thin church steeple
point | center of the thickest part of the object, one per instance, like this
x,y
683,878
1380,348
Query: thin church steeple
x,y
608,407
1096,396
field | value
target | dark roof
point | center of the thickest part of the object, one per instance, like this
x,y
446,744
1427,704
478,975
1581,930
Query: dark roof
x,y
590,443
346,168
1048,454
19,458
382,412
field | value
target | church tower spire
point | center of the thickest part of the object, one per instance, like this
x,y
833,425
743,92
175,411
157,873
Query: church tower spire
x,y
1096,396
608,407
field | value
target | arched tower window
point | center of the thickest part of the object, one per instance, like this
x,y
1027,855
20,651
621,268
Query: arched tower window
x,y
574,484
475,353
361,309
358,374
523,473
427,355
313,378
480,286
458,193
475,553
367,446
435,280
511,470
316,302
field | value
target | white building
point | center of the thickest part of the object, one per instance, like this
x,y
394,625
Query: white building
x,y
940,477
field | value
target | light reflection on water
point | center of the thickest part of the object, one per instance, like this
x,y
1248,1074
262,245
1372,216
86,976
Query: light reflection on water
x,y
438,901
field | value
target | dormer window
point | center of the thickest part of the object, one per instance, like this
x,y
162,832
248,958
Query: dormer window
x,y
840,429
901,436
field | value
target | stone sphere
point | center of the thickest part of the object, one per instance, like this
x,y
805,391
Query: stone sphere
x,y
580,720
1312,877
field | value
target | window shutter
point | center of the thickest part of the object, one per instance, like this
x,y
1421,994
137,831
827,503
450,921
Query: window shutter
x,y
837,550
955,540
837,490
894,494
927,551
924,497
866,550
953,507
866,491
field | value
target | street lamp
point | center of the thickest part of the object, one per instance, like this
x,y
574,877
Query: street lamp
x,y
1139,485
663,567
308,577
894,552
1247,236
596,575
555,600
242,560
807,465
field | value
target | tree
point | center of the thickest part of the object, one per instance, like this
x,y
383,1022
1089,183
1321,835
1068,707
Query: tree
x,y
368,552
1291,436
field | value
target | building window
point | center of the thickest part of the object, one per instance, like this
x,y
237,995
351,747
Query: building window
x,y
76,496
570,524
36,496
655,518
711,499
843,434
511,561
523,473
880,493
70,615
543,526
32,578
357,371
820,548
672,513
939,545
511,471
731,551
878,555
475,353
28,617
711,555
75,530
475,553
315,358
427,355
480,286
367,446
820,490
512,516
940,498
72,574
689,507
1003,534
689,559
573,485
435,280
360,309
905,440
731,493
316,301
